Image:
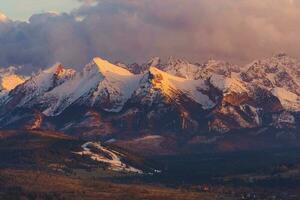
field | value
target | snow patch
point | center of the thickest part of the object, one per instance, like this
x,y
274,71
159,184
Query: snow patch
x,y
226,84
114,161
148,138
289,100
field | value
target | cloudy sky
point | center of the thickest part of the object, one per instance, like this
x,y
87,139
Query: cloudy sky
x,y
74,31
24,9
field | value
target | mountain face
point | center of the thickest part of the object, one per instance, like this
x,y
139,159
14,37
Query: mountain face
x,y
26,94
177,97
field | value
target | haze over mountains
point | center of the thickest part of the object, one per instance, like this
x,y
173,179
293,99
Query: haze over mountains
x,y
177,96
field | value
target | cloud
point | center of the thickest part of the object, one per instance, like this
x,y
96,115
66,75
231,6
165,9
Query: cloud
x,y
134,30
88,2
3,18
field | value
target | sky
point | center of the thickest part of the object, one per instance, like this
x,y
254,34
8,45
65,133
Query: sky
x,y
237,31
24,9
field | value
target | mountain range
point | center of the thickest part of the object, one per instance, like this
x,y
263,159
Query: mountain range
x,y
149,101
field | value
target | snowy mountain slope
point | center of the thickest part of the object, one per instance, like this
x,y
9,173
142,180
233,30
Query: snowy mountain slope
x,y
169,84
26,93
278,71
100,84
280,75
235,105
117,87
216,67
226,84
185,69
181,68
289,100
135,68
106,99
8,81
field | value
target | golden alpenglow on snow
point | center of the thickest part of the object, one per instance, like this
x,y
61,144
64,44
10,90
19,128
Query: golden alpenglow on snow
x,y
128,99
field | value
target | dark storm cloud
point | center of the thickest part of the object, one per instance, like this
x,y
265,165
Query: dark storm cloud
x,y
133,30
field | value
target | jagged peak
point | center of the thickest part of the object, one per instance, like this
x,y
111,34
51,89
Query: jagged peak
x,y
121,64
215,62
8,70
212,63
277,57
280,55
153,70
154,61
175,61
170,84
279,60
58,70
157,72
9,79
226,84
55,69
105,66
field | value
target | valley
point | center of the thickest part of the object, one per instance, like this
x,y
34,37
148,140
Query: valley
x,y
43,164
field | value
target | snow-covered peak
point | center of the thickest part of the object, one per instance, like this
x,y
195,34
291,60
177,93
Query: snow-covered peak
x,y
136,68
38,85
9,79
172,61
116,88
226,84
9,70
181,68
155,71
9,82
278,71
277,62
218,67
101,84
232,96
51,77
55,69
280,75
106,67
281,55
59,71
154,62
171,85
